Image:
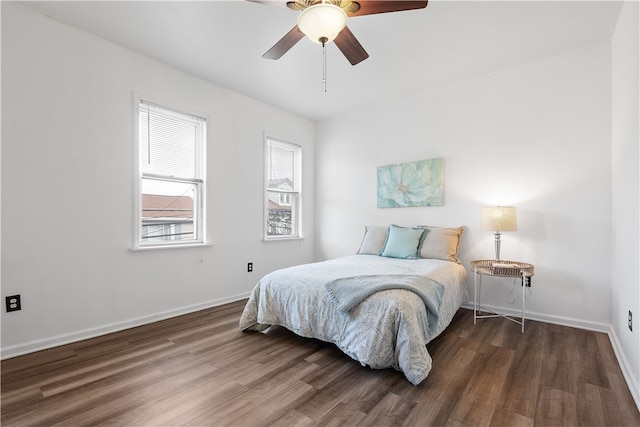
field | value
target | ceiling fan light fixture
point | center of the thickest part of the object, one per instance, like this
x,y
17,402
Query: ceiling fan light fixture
x,y
322,22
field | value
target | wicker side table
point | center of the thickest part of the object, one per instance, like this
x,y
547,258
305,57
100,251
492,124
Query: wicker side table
x,y
499,268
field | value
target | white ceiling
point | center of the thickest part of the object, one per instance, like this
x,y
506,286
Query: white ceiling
x,y
223,42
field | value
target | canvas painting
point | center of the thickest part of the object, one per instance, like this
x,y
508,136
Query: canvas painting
x,y
411,184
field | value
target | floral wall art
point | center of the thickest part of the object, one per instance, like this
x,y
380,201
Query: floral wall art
x,y
411,184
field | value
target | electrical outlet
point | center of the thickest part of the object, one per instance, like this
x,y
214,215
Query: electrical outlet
x,y
13,303
249,267
630,321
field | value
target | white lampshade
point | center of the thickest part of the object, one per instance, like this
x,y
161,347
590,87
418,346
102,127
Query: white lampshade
x,y
499,218
322,21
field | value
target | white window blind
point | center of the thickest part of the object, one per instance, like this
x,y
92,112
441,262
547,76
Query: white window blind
x,y
168,142
171,176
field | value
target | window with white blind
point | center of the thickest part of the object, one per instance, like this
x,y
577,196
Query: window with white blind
x,y
283,198
171,178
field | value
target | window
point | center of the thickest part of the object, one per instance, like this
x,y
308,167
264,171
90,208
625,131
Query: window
x,y
282,190
171,181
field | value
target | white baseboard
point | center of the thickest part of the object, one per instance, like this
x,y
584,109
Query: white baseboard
x,y
556,320
58,340
632,382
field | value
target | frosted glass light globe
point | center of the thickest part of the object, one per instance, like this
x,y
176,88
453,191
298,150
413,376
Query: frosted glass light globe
x,y
322,22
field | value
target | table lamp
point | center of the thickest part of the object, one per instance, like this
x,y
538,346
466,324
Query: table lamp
x,y
497,219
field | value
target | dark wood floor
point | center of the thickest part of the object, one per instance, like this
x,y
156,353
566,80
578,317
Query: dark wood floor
x,y
199,369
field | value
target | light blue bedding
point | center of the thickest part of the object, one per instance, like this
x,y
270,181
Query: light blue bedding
x,y
389,328
349,292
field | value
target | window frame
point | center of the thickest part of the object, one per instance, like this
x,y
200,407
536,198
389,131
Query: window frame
x,y
199,181
295,193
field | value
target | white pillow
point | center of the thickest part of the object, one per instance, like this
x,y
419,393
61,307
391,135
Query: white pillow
x,y
373,240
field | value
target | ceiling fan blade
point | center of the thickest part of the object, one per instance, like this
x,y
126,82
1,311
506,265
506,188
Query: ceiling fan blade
x,y
284,44
384,6
350,47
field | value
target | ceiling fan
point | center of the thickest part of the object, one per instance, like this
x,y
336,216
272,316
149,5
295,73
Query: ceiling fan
x,y
324,21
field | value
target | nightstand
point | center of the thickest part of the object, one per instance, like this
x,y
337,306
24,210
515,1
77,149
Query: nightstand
x,y
499,268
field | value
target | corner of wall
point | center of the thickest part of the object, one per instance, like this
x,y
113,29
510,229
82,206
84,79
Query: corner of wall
x,y
627,373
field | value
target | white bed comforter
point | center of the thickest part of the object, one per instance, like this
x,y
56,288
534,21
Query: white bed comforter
x,y
388,329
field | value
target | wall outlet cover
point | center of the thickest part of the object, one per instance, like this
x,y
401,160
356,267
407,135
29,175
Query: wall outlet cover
x,y
13,303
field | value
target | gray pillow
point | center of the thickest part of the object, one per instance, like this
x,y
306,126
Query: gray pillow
x,y
373,240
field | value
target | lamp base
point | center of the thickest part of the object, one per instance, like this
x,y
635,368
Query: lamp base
x,y
497,244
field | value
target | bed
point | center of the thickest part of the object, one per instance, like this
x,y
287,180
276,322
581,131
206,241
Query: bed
x,y
393,307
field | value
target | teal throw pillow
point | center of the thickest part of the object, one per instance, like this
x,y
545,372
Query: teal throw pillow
x,y
403,242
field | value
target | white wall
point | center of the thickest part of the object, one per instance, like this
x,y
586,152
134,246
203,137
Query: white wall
x,y
625,233
67,182
537,136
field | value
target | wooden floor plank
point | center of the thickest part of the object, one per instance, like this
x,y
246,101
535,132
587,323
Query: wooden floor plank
x,y
200,369
293,418
444,389
556,408
518,398
391,410
480,397
342,415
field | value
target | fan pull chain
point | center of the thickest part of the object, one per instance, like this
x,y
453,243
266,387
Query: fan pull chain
x,y
324,40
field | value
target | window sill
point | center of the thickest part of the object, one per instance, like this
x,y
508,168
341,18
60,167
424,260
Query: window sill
x,y
160,248
282,239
